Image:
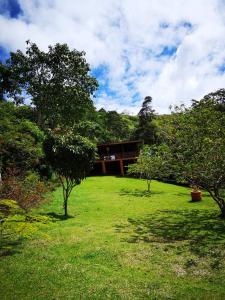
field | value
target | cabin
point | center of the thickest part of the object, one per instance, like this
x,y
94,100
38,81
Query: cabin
x,y
113,158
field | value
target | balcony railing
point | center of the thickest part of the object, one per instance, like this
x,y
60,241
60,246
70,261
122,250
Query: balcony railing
x,y
115,156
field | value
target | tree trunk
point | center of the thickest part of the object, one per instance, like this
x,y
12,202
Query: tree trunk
x,y
65,208
67,187
149,185
66,194
219,200
222,209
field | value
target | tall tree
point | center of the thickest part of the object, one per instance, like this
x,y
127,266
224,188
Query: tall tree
x,y
57,81
146,129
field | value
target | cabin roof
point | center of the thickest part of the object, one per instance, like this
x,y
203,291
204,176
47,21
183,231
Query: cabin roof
x,y
118,143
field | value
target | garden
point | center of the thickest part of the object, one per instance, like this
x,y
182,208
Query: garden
x,y
156,233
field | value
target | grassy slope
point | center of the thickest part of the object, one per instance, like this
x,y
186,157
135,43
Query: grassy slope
x,y
121,244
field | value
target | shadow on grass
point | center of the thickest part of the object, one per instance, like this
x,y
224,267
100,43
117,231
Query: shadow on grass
x,y
202,232
57,217
10,247
138,193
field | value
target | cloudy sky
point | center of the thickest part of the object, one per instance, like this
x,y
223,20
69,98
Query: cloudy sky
x,y
172,50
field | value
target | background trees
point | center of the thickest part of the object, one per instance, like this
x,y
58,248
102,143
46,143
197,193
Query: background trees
x,y
146,128
20,140
114,126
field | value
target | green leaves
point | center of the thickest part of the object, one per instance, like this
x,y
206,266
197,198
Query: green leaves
x,y
152,162
146,129
20,140
199,136
9,207
57,81
71,156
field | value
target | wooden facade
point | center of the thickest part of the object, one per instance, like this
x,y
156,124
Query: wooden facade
x,y
113,158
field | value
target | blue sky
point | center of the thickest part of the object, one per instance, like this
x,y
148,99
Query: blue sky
x,y
171,50
11,8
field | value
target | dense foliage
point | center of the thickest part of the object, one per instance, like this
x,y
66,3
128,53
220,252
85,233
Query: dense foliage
x,y
198,144
20,140
114,127
27,191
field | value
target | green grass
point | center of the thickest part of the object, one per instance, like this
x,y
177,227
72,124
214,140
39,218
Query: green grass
x,y
121,244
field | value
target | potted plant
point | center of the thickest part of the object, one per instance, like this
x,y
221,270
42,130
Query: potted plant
x,y
196,194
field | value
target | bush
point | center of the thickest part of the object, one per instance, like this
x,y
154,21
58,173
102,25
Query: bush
x,y
8,209
18,195
28,192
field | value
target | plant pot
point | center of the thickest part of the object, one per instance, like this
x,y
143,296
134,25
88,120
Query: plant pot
x,y
196,196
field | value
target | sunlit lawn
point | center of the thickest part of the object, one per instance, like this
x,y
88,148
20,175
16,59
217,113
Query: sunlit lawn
x,y
121,244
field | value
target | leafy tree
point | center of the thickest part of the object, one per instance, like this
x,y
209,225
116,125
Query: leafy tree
x,y
151,162
146,129
164,124
216,98
9,85
4,80
89,129
71,157
57,81
199,145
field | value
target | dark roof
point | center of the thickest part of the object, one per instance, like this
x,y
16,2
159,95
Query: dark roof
x,y
118,143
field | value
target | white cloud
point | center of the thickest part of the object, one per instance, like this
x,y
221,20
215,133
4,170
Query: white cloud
x,y
128,36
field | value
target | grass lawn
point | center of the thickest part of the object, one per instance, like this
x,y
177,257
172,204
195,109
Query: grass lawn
x,y
121,244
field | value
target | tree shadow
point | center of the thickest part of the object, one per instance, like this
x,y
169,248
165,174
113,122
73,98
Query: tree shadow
x,y
202,231
10,247
138,193
57,217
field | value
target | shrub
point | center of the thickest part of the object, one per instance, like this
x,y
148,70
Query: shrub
x,y
28,192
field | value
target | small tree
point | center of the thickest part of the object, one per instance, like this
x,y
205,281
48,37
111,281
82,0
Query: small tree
x,y
150,163
71,157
